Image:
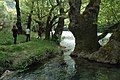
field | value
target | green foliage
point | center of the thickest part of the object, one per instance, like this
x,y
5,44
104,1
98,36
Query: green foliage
x,y
22,54
109,12
34,53
6,37
5,60
7,12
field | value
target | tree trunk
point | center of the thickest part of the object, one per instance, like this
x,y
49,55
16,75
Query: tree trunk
x,y
49,23
58,31
47,29
84,26
49,26
110,53
18,16
29,20
30,16
60,26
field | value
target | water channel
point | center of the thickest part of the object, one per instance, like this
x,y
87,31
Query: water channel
x,y
76,69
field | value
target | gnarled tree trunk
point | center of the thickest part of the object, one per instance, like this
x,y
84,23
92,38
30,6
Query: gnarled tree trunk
x,y
83,26
84,29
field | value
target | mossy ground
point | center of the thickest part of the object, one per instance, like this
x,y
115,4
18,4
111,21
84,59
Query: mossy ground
x,y
22,54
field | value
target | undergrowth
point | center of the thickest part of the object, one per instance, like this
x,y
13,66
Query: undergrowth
x,y
22,54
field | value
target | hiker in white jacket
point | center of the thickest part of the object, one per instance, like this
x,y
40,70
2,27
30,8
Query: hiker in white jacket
x,y
27,34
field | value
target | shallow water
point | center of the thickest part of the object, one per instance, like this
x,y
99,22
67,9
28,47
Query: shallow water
x,y
105,39
76,69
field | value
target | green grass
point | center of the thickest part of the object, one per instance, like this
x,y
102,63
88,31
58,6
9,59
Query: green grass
x,y
7,39
20,55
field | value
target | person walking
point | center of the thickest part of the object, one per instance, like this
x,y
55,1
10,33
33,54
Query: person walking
x,y
27,34
15,33
40,31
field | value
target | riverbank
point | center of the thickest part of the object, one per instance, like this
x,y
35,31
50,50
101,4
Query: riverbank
x,y
77,69
20,56
23,55
108,53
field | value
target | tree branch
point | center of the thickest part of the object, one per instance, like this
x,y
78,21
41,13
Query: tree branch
x,y
108,30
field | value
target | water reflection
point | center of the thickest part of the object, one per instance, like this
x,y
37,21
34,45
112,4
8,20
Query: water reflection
x,y
89,70
53,70
76,69
105,39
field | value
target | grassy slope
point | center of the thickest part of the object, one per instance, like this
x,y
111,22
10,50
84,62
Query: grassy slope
x,y
22,54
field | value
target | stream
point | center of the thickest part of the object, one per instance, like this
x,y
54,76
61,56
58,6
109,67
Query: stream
x,y
75,69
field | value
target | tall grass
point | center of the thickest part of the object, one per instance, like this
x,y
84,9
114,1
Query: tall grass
x,y
20,55
6,37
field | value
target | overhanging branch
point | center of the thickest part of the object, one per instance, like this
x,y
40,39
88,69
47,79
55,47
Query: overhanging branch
x,y
108,30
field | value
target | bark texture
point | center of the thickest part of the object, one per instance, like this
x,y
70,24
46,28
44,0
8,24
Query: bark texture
x,y
83,26
30,16
18,17
58,31
49,23
110,53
